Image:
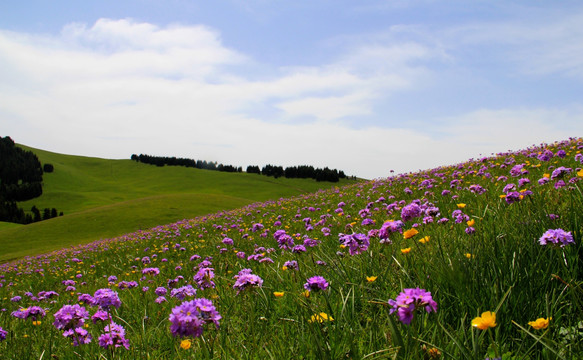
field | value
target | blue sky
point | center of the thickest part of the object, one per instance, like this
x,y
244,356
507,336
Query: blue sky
x,y
362,86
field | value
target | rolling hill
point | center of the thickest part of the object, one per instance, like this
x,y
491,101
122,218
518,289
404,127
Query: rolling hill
x,y
104,198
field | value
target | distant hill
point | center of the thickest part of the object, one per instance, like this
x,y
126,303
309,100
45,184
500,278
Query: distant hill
x,y
103,198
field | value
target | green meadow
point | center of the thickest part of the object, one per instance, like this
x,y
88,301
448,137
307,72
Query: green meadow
x,y
477,260
103,198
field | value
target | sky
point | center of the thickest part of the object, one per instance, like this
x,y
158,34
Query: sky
x,y
369,87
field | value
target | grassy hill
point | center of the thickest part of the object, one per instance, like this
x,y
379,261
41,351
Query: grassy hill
x,y
104,198
477,260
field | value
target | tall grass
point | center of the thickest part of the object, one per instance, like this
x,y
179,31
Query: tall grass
x,y
477,249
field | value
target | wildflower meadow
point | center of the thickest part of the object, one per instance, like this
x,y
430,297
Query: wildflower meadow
x,y
477,260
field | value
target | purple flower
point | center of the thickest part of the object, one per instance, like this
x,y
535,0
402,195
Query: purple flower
x,y
70,316
34,312
316,283
245,279
107,298
100,315
299,249
559,172
356,243
410,211
160,291
292,265
409,300
79,336
556,237
87,299
188,318
203,278
3,334
16,298
114,336
182,292
151,271
228,241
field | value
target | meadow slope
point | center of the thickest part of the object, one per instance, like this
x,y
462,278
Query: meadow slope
x,y
103,198
477,260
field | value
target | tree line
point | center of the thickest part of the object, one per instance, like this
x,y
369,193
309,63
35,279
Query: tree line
x,y
21,176
302,171
174,161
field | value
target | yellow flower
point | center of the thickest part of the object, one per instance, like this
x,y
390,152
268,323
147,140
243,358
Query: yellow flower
x,y
36,323
410,233
540,323
547,176
371,278
278,293
321,317
580,173
471,222
468,255
424,240
284,268
306,294
461,205
487,320
406,250
186,344
502,196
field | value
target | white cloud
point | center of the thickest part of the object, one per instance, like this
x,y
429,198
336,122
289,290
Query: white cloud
x,y
121,87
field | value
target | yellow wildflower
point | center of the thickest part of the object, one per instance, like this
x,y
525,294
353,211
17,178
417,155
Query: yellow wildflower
x,y
371,278
306,293
540,323
580,173
186,344
424,240
321,317
461,205
487,320
406,250
471,222
278,293
410,233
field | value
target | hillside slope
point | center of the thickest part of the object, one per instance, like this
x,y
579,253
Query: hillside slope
x,y
104,198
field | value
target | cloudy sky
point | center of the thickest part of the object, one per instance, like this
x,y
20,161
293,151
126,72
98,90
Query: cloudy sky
x,y
362,86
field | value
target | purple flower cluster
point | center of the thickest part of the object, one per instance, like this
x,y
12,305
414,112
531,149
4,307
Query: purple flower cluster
x,y
388,228
556,237
70,316
356,243
316,283
114,336
188,318
3,334
182,292
410,212
409,300
203,278
291,265
34,312
245,279
284,241
106,298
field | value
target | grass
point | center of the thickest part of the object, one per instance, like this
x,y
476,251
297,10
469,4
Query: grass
x,y
104,198
477,249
